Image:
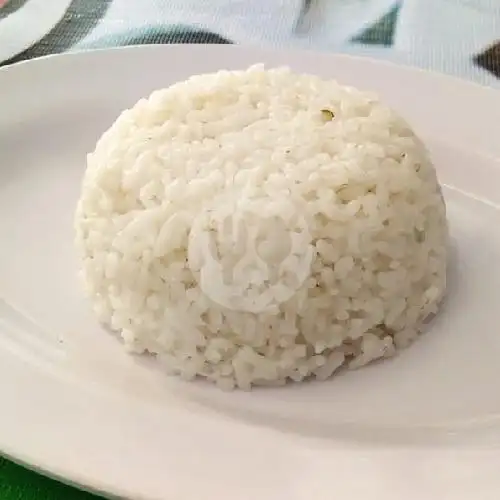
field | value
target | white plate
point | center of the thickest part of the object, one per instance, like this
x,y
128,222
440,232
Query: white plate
x,y
425,425
27,25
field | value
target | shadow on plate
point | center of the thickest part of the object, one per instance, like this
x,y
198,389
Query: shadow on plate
x,y
247,407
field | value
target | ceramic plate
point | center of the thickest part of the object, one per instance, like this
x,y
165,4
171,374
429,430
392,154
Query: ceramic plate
x,y
73,404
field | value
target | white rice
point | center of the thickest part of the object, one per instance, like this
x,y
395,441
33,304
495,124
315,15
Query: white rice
x,y
254,227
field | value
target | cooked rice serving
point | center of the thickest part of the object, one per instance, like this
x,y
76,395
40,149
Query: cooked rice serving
x,y
253,227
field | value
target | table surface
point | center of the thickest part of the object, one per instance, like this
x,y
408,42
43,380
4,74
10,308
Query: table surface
x,y
458,37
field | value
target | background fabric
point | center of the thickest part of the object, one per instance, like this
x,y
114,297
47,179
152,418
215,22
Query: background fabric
x,y
458,37
454,36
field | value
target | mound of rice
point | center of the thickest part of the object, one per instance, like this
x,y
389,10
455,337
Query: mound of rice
x,y
253,227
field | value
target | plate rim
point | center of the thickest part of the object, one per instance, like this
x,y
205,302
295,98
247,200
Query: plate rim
x,y
361,58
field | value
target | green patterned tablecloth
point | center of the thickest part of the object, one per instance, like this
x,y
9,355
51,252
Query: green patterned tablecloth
x,y
460,37
18,483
